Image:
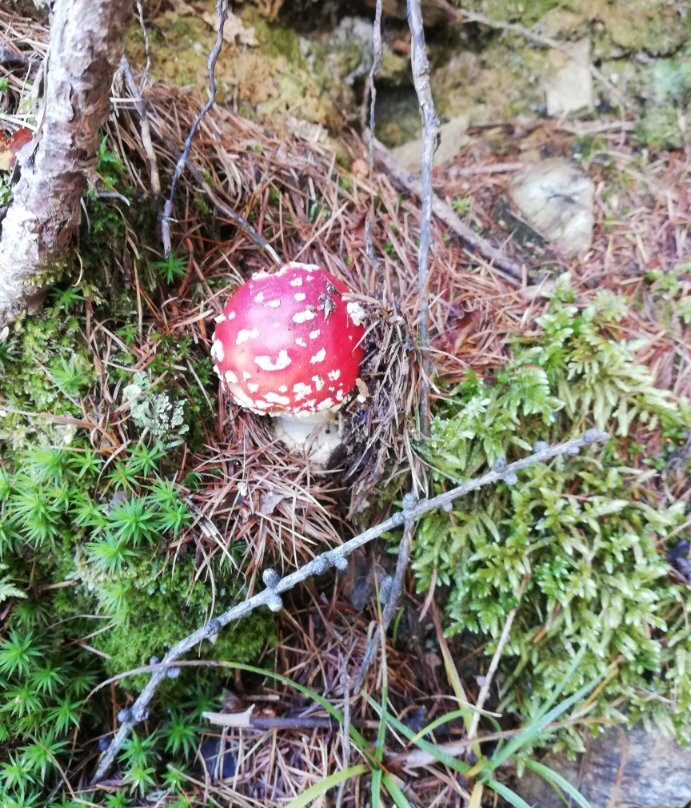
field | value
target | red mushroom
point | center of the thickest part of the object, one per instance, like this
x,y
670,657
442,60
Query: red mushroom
x,y
288,345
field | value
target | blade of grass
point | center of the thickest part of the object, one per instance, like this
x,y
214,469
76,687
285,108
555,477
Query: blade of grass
x,y
510,796
451,671
319,789
438,754
395,792
381,729
476,796
535,728
520,739
450,761
444,719
357,738
387,780
558,781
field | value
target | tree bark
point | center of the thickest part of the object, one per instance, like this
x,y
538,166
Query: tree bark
x,y
86,43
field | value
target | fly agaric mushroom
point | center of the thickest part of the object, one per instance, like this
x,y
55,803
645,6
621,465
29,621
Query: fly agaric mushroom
x,y
288,345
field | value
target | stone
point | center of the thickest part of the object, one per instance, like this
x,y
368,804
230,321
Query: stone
x,y
570,88
620,769
556,199
452,137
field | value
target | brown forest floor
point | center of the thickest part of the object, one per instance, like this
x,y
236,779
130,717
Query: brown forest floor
x,y
313,207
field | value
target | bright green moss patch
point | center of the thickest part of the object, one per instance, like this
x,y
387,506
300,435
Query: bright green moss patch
x,y
585,536
94,560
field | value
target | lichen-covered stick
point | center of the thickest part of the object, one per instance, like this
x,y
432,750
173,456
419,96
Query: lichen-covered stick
x,y
337,558
430,133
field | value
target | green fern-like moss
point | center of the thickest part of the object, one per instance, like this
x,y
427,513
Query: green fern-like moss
x,y
586,536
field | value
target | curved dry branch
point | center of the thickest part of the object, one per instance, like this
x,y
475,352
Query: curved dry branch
x,y
336,558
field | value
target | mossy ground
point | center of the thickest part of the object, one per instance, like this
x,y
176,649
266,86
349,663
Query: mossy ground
x,y
92,508
96,499
584,540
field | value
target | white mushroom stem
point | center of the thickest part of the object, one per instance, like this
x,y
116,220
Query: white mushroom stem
x,y
319,434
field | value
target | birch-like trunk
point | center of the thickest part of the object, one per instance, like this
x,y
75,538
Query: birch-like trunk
x,y
86,43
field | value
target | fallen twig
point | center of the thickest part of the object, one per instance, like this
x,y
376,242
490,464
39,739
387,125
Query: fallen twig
x,y
12,57
391,596
222,14
336,558
430,136
145,129
409,182
493,665
372,87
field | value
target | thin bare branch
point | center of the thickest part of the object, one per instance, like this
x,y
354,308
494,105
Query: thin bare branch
x,y
430,136
493,665
392,594
145,129
336,558
222,14
372,86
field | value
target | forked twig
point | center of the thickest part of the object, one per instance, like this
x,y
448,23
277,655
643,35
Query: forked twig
x,y
336,558
430,135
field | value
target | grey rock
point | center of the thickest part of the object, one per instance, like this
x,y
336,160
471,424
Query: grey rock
x,y
621,769
556,200
452,137
570,87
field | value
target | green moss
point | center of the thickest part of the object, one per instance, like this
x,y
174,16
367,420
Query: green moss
x,y
274,40
660,128
666,87
585,536
152,604
47,364
526,12
658,29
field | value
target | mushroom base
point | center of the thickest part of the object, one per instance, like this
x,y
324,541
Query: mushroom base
x,y
317,435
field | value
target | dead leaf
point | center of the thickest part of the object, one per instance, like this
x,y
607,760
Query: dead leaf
x,y
268,502
10,146
362,388
235,720
235,32
5,153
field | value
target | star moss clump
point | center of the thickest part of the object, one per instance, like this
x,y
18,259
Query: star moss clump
x,y
585,537
96,574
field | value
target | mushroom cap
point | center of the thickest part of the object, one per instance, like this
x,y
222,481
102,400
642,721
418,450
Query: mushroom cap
x,y
287,343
